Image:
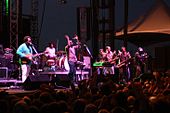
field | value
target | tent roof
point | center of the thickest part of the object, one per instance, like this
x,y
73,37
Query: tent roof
x,y
145,39
157,20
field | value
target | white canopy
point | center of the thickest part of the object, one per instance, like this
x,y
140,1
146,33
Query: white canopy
x,y
152,25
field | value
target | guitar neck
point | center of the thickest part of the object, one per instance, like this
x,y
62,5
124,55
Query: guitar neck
x,y
37,54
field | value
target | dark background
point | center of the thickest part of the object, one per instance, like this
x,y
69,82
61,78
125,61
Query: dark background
x,y
60,19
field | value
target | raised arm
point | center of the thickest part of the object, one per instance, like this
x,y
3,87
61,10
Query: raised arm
x,y
68,40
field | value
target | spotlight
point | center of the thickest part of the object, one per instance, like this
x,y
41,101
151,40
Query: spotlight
x,y
62,1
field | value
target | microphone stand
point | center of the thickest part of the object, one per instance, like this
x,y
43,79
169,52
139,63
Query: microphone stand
x,y
37,62
82,47
34,49
87,49
80,58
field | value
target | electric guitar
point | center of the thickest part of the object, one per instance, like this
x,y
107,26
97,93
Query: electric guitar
x,y
31,58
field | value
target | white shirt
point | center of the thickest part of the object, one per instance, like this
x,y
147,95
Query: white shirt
x,y
50,52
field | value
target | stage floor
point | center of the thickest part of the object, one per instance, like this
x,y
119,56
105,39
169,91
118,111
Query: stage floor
x,y
78,72
14,86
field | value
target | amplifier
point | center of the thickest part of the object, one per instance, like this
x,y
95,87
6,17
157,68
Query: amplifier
x,y
3,72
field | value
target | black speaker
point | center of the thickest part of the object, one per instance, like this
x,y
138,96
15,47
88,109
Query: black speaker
x,y
34,81
3,73
61,81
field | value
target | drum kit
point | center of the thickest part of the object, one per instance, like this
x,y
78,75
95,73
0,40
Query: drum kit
x,y
8,53
60,62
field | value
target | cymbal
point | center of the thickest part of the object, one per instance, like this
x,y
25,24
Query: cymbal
x,y
8,49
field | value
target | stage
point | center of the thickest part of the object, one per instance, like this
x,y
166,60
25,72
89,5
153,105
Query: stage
x,y
80,74
57,78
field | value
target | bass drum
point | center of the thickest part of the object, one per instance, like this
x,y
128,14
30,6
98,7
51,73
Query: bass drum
x,y
63,63
50,62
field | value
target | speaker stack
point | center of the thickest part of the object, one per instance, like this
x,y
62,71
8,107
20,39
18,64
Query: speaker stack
x,y
35,81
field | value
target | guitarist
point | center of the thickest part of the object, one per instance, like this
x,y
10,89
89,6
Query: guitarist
x,y
25,52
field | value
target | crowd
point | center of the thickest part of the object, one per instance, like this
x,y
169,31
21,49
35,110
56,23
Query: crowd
x,y
148,94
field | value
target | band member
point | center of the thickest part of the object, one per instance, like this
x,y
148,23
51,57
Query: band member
x,y
109,58
123,65
115,57
101,59
72,58
25,52
50,54
140,61
50,51
101,56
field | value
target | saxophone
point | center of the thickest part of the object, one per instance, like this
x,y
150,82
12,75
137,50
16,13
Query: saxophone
x,y
123,63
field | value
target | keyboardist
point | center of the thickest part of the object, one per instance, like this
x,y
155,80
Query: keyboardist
x,y
108,58
105,57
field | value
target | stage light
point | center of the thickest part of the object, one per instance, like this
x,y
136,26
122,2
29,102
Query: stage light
x,y
62,1
6,8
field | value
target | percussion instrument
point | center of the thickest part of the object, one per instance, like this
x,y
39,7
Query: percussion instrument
x,y
50,62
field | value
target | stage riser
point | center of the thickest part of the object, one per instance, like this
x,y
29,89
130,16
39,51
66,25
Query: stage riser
x,y
7,84
80,75
57,79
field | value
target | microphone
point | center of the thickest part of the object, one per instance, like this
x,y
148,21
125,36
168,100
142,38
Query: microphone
x,y
31,44
85,45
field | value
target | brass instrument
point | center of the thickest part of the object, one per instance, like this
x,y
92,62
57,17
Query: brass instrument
x,y
124,62
113,61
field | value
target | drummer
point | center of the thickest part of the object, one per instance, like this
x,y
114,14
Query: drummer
x,y
50,55
50,51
